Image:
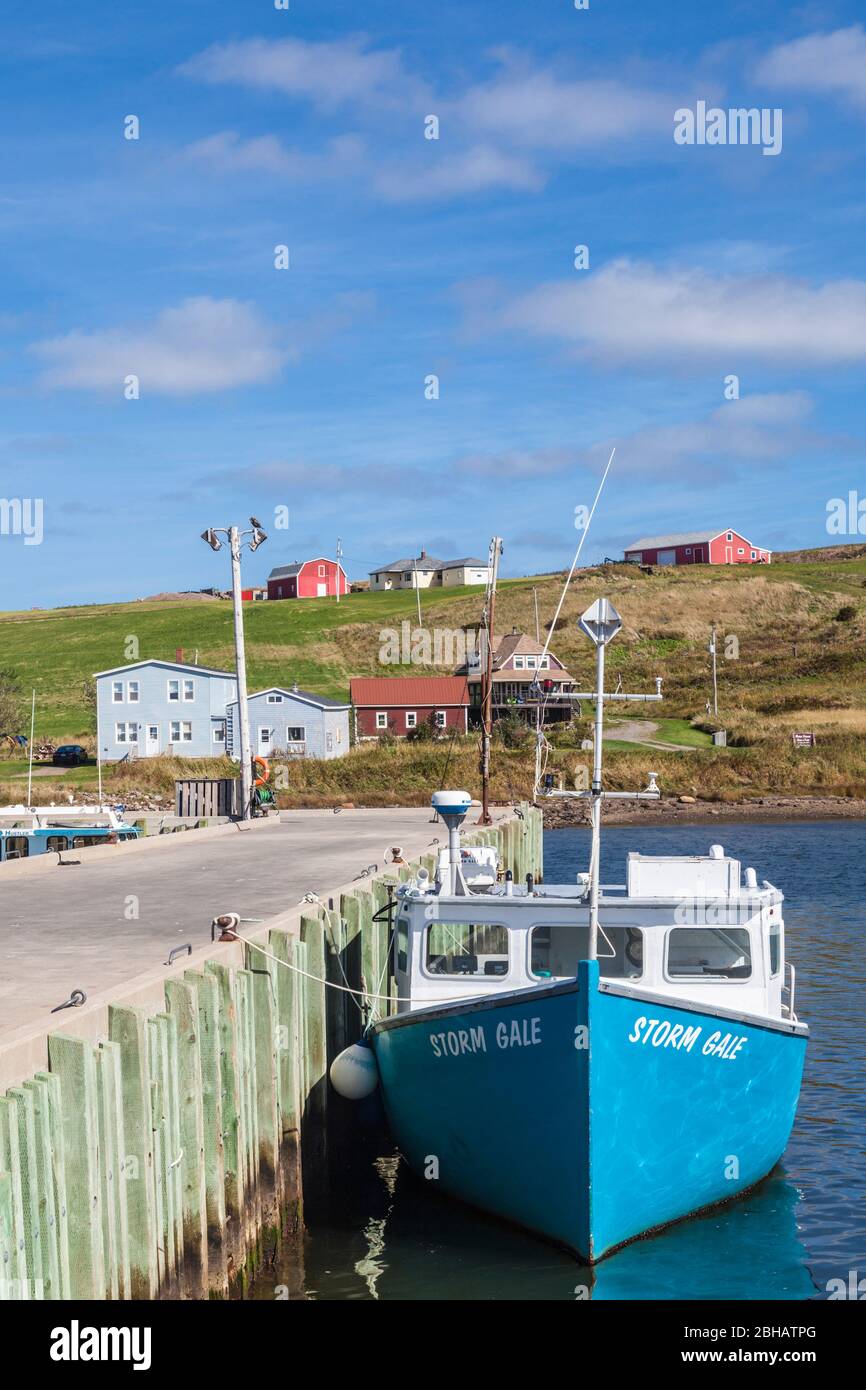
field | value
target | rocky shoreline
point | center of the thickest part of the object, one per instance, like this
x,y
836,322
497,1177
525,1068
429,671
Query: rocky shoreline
x,y
692,811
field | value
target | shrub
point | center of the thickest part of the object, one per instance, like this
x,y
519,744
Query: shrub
x,y
846,613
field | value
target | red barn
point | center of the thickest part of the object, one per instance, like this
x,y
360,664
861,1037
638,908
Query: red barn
x,y
317,578
398,704
697,548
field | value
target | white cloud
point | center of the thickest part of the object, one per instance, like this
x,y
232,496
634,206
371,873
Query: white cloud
x,y
535,109
832,63
444,174
228,153
631,311
755,429
201,345
330,74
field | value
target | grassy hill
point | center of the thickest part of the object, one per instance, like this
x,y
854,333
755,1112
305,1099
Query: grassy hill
x,y
792,655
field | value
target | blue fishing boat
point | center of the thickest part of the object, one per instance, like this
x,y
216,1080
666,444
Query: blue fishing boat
x,y
29,831
591,1062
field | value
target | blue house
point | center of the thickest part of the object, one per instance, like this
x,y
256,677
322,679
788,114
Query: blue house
x,y
293,722
153,707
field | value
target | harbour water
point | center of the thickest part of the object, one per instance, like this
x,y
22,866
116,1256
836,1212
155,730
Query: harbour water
x,y
382,1234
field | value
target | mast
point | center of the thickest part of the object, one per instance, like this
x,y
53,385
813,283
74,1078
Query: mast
x,y
601,623
487,681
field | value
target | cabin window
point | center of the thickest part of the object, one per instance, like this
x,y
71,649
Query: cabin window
x,y
555,951
117,692
775,947
173,691
56,842
82,841
467,948
709,953
17,847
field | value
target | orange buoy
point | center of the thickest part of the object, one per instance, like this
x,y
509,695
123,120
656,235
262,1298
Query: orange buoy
x,y
265,771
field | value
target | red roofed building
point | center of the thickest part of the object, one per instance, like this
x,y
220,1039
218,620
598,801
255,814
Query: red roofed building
x,y
399,704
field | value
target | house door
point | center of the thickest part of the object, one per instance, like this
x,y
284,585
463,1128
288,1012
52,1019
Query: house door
x,y
729,554
151,740
322,589
699,555
264,740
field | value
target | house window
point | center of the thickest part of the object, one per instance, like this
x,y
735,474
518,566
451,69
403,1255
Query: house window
x,y
275,699
544,663
741,550
688,550
709,953
322,570
329,742
117,692
296,733
181,731
754,555
173,692
132,692
411,719
279,591
518,663
381,719
531,663
126,733
219,732
441,718
729,536
189,690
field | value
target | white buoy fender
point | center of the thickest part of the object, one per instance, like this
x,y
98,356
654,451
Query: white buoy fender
x,y
354,1074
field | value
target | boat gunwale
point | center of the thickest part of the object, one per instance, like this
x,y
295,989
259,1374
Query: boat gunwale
x,y
519,996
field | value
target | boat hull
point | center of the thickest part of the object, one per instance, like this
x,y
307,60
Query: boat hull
x,y
587,1115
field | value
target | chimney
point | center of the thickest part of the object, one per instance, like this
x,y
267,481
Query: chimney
x,y
423,555
178,654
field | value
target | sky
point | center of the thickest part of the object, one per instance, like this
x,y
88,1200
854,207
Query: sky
x,y
436,364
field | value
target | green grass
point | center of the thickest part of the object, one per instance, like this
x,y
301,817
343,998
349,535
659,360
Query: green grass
x,y
790,654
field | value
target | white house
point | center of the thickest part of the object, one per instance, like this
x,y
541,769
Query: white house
x,y
426,572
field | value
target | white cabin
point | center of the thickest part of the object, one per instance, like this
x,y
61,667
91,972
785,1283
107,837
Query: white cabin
x,y
691,928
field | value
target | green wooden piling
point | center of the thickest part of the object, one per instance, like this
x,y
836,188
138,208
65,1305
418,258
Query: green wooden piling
x,y
264,1056
10,1161
206,991
74,1062
288,1005
29,1160
160,1178
249,1112
58,1173
128,1028
235,1243
9,1290
314,1136
47,1212
109,1162
182,1002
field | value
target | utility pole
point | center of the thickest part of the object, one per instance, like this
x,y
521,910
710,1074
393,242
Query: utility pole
x,y
715,676
417,590
487,681
236,539
537,628
339,566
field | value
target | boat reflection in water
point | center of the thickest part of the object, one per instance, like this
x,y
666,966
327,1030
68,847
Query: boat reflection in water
x,y
415,1245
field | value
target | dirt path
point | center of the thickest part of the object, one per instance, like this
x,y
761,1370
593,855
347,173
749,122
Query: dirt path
x,y
641,731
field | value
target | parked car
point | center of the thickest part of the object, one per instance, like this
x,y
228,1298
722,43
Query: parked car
x,y
69,755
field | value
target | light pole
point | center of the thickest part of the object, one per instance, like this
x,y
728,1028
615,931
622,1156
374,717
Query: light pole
x,y
236,539
339,565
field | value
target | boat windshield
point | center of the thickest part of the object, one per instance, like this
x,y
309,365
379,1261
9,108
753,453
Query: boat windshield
x,y
556,951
